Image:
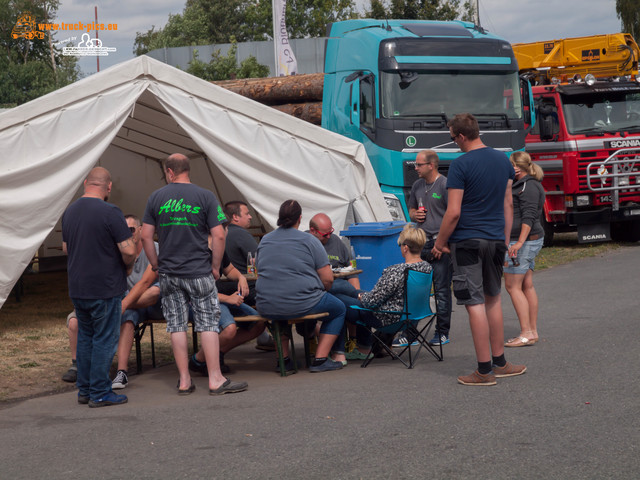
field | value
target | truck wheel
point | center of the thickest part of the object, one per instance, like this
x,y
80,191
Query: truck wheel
x,y
548,232
633,231
625,231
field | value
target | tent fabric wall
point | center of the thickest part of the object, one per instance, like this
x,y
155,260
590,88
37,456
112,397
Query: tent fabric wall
x,y
152,109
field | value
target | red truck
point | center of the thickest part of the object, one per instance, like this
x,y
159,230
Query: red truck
x,y
587,134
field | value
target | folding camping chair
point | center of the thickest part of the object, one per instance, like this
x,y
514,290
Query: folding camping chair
x,y
417,307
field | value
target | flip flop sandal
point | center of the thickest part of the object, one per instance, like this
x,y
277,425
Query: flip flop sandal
x,y
186,391
229,387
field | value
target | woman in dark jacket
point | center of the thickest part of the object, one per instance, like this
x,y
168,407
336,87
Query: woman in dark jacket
x,y
527,236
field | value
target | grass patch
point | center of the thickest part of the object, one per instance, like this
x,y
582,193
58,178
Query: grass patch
x,y
34,344
566,249
29,365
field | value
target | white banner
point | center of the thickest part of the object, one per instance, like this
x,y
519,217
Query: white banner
x,y
286,63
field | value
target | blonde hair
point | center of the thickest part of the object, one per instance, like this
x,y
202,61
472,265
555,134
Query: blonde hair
x,y
412,237
522,160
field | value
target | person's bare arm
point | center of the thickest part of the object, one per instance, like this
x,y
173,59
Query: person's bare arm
x,y
355,282
508,212
326,276
64,248
217,246
147,233
449,221
128,252
149,277
232,273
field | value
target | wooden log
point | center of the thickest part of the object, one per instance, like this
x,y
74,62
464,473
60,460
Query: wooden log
x,y
279,90
310,112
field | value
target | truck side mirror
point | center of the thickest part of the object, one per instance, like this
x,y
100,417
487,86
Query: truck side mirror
x,y
546,127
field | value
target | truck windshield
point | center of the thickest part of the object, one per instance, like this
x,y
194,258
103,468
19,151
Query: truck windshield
x,y
601,112
427,93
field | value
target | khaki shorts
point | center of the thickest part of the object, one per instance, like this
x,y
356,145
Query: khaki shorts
x,y
477,269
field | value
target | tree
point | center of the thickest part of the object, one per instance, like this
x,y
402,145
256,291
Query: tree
x,y
205,22
32,67
629,14
225,67
420,9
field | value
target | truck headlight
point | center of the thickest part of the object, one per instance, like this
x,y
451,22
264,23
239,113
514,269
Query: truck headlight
x,y
583,200
394,206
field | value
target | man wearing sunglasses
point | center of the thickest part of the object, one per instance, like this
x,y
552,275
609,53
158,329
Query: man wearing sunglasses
x,y
475,230
427,205
320,226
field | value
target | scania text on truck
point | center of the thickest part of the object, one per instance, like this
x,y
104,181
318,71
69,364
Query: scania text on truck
x,y
587,134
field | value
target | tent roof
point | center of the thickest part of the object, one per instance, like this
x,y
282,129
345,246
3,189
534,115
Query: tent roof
x,y
148,109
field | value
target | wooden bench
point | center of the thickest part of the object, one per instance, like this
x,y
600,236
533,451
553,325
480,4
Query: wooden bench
x,y
272,325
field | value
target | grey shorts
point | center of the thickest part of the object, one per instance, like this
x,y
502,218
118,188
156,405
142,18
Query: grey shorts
x,y
200,292
477,269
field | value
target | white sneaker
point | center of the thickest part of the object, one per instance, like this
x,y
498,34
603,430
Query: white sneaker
x,y
120,381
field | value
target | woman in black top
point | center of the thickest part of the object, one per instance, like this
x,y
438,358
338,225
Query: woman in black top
x,y
527,236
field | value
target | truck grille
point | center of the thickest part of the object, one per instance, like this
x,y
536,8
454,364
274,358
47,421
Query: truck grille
x,y
632,167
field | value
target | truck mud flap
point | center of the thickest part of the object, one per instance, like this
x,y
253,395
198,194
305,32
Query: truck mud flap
x,y
600,232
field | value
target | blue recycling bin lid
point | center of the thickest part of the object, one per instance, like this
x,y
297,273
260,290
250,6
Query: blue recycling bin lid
x,y
373,229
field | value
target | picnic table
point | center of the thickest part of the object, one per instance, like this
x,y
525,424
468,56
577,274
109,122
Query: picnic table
x,y
336,274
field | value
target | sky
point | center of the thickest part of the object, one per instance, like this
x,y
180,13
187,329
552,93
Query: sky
x,y
514,20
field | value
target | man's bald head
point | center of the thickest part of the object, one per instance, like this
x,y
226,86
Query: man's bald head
x,y
321,227
98,183
98,176
178,163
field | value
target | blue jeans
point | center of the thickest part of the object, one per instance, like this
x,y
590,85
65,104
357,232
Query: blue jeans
x,y
342,287
331,325
442,277
98,334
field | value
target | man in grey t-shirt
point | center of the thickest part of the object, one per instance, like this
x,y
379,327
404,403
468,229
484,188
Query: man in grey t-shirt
x,y
427,205
321,227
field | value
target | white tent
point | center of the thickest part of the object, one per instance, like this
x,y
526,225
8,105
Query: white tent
x,y
130,117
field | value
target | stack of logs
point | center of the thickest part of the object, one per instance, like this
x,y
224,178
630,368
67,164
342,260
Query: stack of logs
x,y
297,95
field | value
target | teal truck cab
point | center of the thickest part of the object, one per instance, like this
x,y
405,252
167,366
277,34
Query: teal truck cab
x,y
394,84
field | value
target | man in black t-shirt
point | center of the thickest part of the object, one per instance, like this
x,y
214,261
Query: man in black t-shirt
x,y
184,215
238,245
97,240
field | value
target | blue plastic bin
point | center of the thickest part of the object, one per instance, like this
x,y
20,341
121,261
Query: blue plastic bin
x,y
376,247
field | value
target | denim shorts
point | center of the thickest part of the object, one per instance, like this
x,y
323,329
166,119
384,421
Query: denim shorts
x,y
526,256
477,269
178,292
228,311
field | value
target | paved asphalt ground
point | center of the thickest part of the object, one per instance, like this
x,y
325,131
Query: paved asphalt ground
x,y
573,415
